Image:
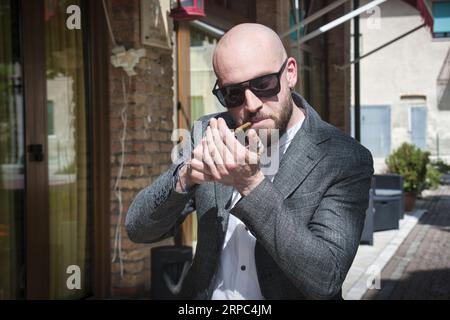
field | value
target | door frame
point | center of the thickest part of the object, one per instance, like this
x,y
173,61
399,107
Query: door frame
x,y
183,39
36,224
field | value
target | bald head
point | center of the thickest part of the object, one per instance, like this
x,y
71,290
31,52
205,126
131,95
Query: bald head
x,y
247,51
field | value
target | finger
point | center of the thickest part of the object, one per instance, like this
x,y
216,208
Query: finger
x,y
252,155
213,123
253,140
197,153
223,128
209,161
216,148
213,148
200,177
200,166
225,154
237,150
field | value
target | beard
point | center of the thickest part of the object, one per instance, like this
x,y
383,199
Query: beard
x,y
281,122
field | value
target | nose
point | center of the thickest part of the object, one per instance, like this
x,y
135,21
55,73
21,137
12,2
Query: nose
x,y
252,102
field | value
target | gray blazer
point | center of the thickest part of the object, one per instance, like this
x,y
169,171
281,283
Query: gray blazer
x,y
307,223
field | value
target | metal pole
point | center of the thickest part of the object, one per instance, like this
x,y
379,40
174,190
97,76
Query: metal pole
x,y
381,47
357,75
341,20
437,145
313,17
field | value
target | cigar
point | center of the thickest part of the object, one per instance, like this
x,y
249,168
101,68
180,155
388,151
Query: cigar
x,y
243,127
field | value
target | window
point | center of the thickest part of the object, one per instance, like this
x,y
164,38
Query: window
x,y
376,129
418,126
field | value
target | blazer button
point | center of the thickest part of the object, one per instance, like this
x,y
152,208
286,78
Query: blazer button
x,y
219,219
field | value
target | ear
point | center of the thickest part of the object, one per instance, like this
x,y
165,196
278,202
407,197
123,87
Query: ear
x,y
291,72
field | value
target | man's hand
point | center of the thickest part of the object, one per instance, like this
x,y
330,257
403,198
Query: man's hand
x,y
221,157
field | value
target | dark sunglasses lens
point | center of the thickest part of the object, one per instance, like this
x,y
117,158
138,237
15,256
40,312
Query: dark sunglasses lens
x,y
266,86
234,97
219,95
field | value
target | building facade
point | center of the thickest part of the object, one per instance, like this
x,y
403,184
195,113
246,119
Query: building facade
x,y
91,92
404,86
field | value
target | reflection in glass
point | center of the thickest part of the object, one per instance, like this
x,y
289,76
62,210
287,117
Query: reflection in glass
x,y
202,75
67,152
12,270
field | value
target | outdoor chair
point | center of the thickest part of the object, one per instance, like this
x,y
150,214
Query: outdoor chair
x,y
388,202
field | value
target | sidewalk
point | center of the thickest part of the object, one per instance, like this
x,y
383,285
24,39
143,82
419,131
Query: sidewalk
x,y
420,268
370,260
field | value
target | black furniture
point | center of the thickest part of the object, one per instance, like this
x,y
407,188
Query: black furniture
x,y
388,202
169,268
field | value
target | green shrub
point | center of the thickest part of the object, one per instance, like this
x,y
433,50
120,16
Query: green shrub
x,y
410,162
441,166
433,177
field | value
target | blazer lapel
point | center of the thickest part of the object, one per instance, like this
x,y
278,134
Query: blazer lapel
x,y
303,153
223,200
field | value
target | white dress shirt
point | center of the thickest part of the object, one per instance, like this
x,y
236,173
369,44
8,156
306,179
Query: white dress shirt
x,y
236,278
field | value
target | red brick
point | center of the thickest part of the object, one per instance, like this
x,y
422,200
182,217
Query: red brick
x,y
166,147
152,147
137,183
138,159
137,254
132,268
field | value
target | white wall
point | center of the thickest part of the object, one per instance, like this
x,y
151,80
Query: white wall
x,y
61,145
410,66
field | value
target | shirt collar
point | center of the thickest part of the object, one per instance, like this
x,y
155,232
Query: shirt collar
x,y
287,137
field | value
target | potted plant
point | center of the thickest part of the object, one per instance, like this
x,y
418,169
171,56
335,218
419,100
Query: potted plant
x,y
410,162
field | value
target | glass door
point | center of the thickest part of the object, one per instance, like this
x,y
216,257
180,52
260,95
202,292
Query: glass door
x,y
202,75
12,169
45,216
68,158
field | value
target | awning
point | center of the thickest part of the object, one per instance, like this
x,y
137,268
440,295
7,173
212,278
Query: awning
x,y
424,10
436,15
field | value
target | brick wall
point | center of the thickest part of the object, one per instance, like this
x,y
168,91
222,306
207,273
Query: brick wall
x,y
147,147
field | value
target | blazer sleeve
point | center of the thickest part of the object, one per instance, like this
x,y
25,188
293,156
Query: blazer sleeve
x,y
158,210
315,256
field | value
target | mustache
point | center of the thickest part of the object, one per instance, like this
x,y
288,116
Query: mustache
x,y
258,116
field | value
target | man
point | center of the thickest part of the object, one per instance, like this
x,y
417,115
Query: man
x,y
289,234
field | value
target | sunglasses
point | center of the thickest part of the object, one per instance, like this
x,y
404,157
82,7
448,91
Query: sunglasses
x,y
266,86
